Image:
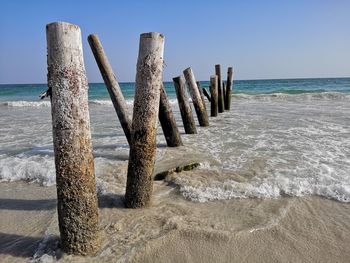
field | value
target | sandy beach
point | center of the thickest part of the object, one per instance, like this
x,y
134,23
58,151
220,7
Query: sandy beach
x,y
287,229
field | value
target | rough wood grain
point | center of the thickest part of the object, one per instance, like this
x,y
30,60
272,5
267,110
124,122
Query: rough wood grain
x,y
167,121
196,98
229,88
184,105
220,93
76,188
214,96
142,155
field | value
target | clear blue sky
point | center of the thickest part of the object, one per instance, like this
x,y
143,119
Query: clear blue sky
x,y
260,38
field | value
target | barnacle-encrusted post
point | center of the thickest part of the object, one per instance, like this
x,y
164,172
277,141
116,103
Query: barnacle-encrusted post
x,y
184,105
221,107
167,121
76,187
228,88
199,107
214,96
142,155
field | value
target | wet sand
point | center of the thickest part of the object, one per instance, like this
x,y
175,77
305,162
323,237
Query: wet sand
x,y
173,229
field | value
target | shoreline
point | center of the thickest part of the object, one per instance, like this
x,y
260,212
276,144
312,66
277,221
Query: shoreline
x,y
173,229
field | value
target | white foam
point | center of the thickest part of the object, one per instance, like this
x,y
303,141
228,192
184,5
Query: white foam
x,y
101,102
33,168
41,169
271,187
129,102
292,97
26,103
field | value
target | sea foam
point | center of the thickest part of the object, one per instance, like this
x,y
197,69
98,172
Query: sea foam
x,y
23,103
271,187
293,97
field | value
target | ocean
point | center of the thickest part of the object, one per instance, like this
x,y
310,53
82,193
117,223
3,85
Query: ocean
x,y
288,136
273,179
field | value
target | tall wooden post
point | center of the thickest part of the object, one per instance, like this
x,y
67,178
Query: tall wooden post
x,y
76,188
201,93
229,88
205,92
196,98
224,93
214,95
139,185
220,93
167,121
112,84
184,105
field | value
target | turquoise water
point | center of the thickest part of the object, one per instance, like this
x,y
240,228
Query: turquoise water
x,y
281,137
97,91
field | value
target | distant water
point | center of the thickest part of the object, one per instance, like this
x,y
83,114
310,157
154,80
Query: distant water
x,y
97,91
282,137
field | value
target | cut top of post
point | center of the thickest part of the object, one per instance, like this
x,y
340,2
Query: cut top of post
x,y
149,42
62,35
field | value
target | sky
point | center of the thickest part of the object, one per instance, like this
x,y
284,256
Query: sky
x,y
260,39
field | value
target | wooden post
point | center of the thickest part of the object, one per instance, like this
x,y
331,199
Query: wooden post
x,y
111,84
201,93
184,105
224,93
76,187
167,121
205,92
214,95
139,185
220,93
229,88
196,98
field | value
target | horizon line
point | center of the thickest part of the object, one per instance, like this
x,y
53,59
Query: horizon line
x,y
297,78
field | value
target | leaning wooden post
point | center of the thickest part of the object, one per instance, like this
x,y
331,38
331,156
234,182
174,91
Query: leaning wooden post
x,y
201,93
76,187
184,105
167,121
196,98
112,84
139,184
205,92
229,88
214,96
220,93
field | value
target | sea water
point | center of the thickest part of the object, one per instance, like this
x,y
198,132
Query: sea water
x,y
281,137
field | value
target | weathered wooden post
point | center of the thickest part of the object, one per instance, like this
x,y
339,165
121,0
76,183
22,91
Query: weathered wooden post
x,y
224,93
201,93
139,185
167,121
184,105
205,92
220,93
76,187
229,88
196,98
214,96
112,84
